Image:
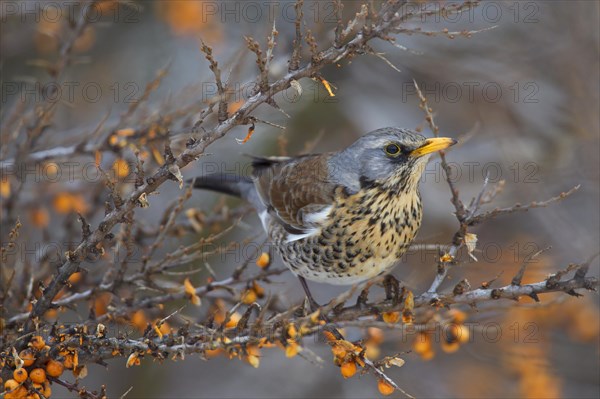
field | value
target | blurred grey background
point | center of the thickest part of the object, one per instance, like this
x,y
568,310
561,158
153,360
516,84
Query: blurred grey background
x,y
522,96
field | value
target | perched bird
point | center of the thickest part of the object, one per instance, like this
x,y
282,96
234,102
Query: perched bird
x,y
341,217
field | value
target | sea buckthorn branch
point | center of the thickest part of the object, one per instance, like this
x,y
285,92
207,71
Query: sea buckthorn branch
x,y
469,216
382,23
480,218
37,121
80,391
247,324
514,292
347,315
149,302
95,347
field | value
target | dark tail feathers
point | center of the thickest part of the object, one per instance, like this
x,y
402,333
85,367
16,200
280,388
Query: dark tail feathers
x,y
224,183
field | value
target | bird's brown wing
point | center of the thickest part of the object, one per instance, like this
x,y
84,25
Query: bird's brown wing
x,y
294,190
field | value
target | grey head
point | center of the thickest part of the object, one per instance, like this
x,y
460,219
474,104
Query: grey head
x,y
391,157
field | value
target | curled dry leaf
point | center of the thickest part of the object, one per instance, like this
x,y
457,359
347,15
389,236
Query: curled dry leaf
x,y
158,157
157,331
190,291
296,86
292,349
253,360
143,201
100,330
81,372
248,135
18,361
175,171
133,360
446,258
328,86
395,361
471,243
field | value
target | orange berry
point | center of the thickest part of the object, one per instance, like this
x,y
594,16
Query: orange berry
x,y
385,388
450,347
63,202
75,277
20,375
47,390
458,316
329,336
139,320
68,363
422,343
38,376
121,168
462,334
39,217
51,314
376,335
67,202
391,317
339,351
4,188
27,356
348,369
372,352
18,393
32,395
79,204
263,260
54,368
260,291
428,355
101,304
249,296
10,385
37,342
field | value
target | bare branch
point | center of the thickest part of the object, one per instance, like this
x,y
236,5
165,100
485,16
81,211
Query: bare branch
x,y
477,219
519,276
223,113
297,44
458,205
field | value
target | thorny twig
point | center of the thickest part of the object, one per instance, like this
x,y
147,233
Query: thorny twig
x,y
273,319
75,257
467,216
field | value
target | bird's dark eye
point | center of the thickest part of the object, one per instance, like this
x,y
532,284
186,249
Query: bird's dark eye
x,y
392,149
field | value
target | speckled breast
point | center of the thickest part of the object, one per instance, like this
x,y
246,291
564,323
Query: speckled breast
x,y
364,236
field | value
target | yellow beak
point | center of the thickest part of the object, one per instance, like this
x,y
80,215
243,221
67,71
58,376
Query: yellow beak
x,y
432,145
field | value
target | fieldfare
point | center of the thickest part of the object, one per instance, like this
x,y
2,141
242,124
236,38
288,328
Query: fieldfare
x,y
340,217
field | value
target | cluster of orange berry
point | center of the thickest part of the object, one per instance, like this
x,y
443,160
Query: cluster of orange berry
x,y
348,356
32,369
